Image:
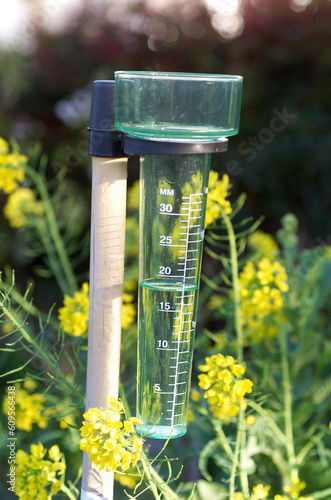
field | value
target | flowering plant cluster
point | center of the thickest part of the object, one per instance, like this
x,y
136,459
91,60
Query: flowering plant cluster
x,y
218,191
110,443
262,285
29,407
73,315
11,171
259,410
260,492
225,389
22,203
38,476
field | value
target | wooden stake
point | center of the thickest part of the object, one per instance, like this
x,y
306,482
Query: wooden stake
x,y
106,291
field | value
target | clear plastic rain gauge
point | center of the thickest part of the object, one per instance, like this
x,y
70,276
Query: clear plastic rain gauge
x,y
174,121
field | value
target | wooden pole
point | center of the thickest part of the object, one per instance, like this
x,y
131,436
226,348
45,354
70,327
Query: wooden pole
x,y
106,290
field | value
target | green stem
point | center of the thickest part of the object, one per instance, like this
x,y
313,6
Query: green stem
x,y
241,433
322,494
223,439
66,490
306,449
236,457
235,287
155,480
54,228
147,469
53,262
242,436
273,426
287,395
46,356
26,304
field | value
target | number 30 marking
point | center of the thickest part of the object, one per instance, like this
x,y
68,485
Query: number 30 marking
x,y
165,208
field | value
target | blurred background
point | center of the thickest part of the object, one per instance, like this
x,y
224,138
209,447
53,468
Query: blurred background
x,y
51,51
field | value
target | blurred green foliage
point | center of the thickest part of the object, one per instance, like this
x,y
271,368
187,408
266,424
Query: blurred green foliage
x,y
283,54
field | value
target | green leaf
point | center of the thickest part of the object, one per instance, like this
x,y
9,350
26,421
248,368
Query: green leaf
x,y
207,490
213,451
206,453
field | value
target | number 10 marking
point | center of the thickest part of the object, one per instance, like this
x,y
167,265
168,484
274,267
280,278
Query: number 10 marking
x,y
162,343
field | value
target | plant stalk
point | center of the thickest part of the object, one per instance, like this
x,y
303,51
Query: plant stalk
x,y
241,434
155,480
287,395
44,355
54,228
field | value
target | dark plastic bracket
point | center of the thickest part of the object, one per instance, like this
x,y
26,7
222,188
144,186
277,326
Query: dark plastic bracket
x,y
102,137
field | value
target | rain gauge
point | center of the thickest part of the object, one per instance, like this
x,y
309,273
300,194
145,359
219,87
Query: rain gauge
x,y
174,122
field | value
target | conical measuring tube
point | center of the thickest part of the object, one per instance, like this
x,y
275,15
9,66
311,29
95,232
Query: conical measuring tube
x,y
171,111
173,194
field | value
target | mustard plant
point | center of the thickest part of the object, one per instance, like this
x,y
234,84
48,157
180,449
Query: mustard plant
x,y
259,421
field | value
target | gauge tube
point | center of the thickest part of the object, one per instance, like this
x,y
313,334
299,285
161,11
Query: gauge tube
x,y
173,194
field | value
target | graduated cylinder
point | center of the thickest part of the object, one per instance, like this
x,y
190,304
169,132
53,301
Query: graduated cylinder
x,y
173,195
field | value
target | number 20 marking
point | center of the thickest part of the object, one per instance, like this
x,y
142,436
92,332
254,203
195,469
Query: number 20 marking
x,y
164,270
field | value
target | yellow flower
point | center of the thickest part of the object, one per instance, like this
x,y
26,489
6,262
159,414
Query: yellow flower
x,y
22,207
260,492
224,391
295,488
263,244
30,385
261,287
190,415
4,146
238,496
34,474
110,443
38,450
74,314
55,487
128,311
54,453
218,191
250,420
29,409
128,480
11,171
195,395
